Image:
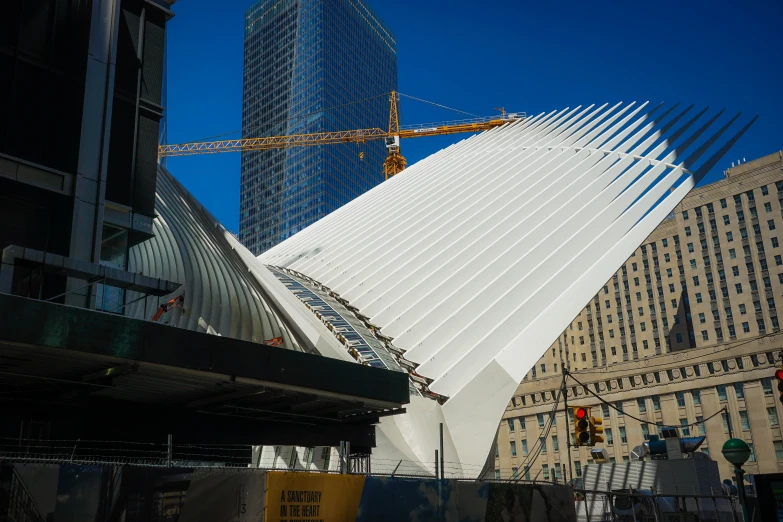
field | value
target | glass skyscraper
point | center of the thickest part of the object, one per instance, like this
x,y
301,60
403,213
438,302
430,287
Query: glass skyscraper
x,y
310,66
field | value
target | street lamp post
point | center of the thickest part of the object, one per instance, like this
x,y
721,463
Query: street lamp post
x,y
737,452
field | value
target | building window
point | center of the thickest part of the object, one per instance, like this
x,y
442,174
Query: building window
x,y
766,385
684,428
696,395
726,422
540,417
645,432
746,327
497,474
545,471
642,406
687,231
542,443
726,220
771,224
772,416
680,399
774,243
656,400
752,457
778,449
578,468
704,335
619,408
702,319
513,449
555,446
605,409
623,437
738,288
609,438
721,392
511,425
695,280
744,420
524,448
700,424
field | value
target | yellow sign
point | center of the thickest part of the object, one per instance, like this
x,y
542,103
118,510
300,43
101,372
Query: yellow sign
x,y
312,497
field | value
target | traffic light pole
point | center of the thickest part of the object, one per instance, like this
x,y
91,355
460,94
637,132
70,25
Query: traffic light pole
x,y
564,391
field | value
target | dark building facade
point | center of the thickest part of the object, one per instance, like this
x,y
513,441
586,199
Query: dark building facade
x,y
310,66
80,105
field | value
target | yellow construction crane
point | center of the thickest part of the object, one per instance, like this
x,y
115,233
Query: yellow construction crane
x,y
394,163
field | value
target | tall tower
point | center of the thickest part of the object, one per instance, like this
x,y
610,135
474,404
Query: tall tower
x,y
310,66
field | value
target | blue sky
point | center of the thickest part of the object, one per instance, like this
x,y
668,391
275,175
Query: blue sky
x,y
526,56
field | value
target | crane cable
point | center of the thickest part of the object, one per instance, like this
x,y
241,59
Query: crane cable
x,y
329,109
439,105
292,118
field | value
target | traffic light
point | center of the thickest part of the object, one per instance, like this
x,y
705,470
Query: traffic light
x,y
595,429
581,426
779,377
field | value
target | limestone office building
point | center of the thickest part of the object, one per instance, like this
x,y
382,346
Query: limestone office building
x,y
688,325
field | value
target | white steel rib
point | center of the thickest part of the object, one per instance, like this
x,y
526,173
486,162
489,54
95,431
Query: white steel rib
x,y
474,259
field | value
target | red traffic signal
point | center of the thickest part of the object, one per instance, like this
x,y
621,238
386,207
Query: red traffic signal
x,y
779,377
581,413
581,426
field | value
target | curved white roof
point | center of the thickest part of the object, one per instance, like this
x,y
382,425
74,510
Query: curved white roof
x,y
474,259
226,292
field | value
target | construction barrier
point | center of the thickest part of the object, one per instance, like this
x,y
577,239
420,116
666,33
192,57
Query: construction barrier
x,y
69,492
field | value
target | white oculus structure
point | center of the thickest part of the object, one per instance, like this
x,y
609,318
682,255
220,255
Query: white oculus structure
x,y
465,268
476,258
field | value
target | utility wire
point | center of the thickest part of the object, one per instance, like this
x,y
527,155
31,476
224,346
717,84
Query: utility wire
x,y
536,450
568,374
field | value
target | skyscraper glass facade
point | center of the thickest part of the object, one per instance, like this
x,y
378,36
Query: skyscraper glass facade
x,y
310,66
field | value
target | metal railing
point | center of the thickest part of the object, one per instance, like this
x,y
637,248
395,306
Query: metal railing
x,y
648,506
177,454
